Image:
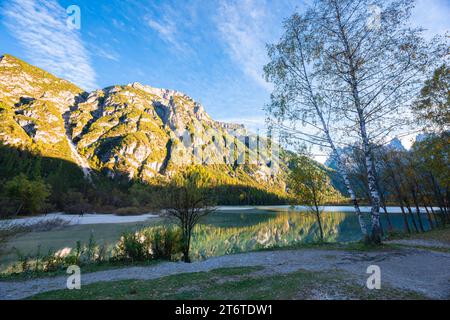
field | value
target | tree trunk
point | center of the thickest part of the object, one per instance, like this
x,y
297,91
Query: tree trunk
x,y
370,171
383,201
430,220
447,195
438,195
436,216
352,194
186,258
371,181
319,222
340,165
18,210
416,203
405,217
186,246
411,215
353,82
422,197
399,197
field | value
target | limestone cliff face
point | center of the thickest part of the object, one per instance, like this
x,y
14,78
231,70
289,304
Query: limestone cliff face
x,y
132,130
32,108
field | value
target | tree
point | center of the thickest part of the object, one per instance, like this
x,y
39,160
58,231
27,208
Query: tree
x,y
431,154
432,107
189,199
369,64
30,196
299,99
392,180
311,186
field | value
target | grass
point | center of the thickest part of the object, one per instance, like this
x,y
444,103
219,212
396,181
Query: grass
x,y
441,234
357,246
87,268
438,249
249,283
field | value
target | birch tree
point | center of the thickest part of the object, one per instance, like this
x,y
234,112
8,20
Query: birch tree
x,y
368,54
299,100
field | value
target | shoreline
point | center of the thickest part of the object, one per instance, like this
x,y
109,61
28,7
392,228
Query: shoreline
x,y
108,218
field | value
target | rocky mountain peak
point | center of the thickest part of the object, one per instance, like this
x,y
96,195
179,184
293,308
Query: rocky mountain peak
x,y
133,130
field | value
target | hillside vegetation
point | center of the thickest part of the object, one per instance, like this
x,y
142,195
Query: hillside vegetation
x,y
113,147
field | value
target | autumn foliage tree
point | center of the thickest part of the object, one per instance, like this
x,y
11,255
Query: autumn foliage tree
x,y
310,185
432,107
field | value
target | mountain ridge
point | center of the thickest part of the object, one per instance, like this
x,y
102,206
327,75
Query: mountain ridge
x,y
133,131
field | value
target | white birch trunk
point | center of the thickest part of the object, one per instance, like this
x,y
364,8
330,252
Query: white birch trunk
x,y
343,173
370,170
353,81
341,168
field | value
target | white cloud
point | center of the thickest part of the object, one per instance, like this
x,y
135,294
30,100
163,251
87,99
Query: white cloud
x,y
166,29
40,27
171,22
244,26
104,52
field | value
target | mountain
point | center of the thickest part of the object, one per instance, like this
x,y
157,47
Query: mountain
x,y
133,132
395,145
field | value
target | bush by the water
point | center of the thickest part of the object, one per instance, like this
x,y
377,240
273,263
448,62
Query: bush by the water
x,y
162,242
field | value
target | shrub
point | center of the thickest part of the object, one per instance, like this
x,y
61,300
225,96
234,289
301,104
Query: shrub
x,y
166,242
163,242
133,246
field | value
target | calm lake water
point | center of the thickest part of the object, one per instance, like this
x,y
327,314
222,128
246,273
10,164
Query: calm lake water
x,y
233,230
228,230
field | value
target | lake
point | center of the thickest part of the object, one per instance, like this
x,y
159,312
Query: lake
x,y
233,230
228,230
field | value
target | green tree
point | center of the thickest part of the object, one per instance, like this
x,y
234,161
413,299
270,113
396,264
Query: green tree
x,y
141,195
310,185
30,196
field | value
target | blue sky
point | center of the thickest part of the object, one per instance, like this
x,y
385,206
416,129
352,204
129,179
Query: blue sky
x,y
212,50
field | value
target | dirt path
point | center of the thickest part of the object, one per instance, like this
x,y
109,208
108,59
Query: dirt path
x,y
422,271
